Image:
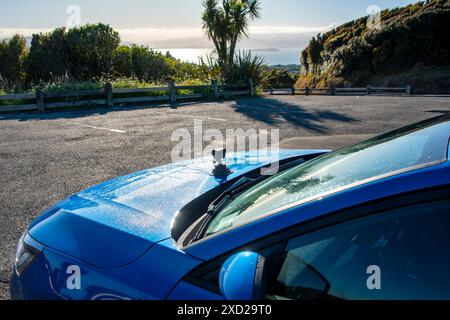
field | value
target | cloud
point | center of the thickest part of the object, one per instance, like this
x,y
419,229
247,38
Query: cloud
x,y
190,37
27,32
158,34
289,30
135,34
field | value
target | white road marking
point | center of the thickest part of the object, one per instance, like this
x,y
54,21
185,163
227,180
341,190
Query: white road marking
x,y
99,128
188,116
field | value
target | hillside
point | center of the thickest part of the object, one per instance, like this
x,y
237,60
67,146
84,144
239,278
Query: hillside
x,y
411,46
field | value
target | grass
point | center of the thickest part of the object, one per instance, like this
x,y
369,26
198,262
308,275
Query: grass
x,y
120,83
12,102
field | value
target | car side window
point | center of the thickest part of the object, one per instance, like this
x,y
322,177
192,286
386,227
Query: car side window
x,y
400,254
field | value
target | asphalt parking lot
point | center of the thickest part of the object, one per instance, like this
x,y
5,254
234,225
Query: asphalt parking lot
x,y
44,157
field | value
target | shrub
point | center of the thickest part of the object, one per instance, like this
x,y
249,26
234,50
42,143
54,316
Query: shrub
x,y
123,61
12,54
151,66
66,85
248,66
281,78
91,51
48,58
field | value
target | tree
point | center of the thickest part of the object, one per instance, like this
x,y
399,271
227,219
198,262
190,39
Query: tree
x,y
304,61
48,58
91,51
314,50
12,54
225,25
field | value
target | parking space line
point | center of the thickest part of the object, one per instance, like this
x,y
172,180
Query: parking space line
x,y
98,128
189,116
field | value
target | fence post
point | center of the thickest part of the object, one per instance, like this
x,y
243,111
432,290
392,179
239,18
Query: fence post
x,y
109,94
333,90
215,87
293,91
40,100
172,91
307,91
251,87
368,90
408,90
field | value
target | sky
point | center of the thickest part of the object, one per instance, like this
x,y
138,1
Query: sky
x,y
177,23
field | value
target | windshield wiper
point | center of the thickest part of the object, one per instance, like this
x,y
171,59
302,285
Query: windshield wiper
x,y
245,183
237,187
224,199
242,184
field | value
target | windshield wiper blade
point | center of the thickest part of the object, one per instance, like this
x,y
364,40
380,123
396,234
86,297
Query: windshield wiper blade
x,y
224,199
246,182
228,192
239,186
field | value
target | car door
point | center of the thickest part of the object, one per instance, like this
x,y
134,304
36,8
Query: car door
x,y
395,248
396,254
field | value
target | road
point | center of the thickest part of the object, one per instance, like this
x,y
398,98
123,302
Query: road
x,y
46,157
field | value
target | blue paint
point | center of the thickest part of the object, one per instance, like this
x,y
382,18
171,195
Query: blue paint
x,y
134,212
237,276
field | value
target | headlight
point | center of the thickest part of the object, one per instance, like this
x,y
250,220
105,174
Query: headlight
x,y
27,250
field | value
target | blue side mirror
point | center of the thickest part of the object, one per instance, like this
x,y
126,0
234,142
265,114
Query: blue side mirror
x,y
242,277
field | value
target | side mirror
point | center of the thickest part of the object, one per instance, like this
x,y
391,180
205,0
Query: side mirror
x,y
242,277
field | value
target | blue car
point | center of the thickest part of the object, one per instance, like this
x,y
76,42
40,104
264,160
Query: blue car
x,y
370,221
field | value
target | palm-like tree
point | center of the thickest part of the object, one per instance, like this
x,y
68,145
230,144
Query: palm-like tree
x,y
225,25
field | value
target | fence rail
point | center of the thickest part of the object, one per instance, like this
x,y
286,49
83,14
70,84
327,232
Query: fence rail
x,y
369,90
110,96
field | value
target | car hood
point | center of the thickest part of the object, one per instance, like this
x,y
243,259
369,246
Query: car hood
x,y
114,223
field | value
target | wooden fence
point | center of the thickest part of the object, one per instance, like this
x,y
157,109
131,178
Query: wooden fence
x,y
110,96
369,90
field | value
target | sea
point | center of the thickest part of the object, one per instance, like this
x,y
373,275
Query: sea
x,y
278,56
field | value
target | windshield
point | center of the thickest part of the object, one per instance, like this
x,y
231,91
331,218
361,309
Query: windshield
x,y
401,150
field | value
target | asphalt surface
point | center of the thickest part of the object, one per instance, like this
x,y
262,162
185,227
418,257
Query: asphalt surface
x,y
46,157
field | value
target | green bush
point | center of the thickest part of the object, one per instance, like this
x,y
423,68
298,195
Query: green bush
x,y
281,78
151,66
48,57
123,61
248,66
91,51
68,86
12,55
